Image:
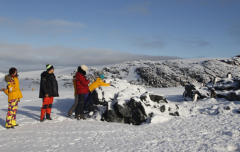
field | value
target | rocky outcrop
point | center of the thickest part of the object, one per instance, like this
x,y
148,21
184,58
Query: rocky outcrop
x,y
191,89
131,104
233,61
228,88
171,73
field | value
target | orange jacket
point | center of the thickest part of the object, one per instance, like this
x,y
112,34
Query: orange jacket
x,y
74,83
97,84
13,91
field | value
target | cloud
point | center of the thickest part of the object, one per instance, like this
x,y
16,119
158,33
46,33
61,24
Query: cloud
x,y
195,42
26,58
149,42
37,26
139,8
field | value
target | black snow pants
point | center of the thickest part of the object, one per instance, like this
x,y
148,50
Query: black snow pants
x,y
80,105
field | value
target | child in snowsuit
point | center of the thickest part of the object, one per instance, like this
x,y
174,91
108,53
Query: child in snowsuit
x,y
14,94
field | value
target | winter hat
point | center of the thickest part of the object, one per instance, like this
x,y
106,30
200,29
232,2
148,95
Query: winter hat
x,y
101,76
84,68
7,78
49,67
80,70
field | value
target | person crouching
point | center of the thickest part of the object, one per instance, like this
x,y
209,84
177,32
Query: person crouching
x,y
48,90
97,83
82,89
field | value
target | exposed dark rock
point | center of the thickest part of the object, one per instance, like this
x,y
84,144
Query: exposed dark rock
x,y
136,105
232,96
191,89
238,111
124,110
174,114
227,108
138,117
158,99
143,98
162,108
113,116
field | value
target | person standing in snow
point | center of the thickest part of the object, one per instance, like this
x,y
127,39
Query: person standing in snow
x,y
82,90
14,94
48,90
76,98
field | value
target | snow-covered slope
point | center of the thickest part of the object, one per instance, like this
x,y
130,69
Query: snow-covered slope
x,y
171,73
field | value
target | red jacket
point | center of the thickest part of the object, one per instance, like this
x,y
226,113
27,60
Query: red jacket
x,y
82,84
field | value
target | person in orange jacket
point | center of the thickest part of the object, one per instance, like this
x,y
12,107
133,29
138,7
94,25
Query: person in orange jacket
x,y
14,94
73,107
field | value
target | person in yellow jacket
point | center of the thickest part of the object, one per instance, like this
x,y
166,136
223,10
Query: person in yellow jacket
x,y
73,107
97,83
14,94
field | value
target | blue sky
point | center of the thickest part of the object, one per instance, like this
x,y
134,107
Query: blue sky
x,y
75,32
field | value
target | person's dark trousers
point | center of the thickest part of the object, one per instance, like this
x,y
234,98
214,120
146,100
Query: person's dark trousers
x,y
80,105
89,100
86,98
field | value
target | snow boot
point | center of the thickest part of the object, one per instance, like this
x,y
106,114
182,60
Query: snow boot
x,y
14,123
76,116
10,127
48,116
42,120
82,117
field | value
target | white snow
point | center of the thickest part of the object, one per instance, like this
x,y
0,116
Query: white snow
x,y
191,131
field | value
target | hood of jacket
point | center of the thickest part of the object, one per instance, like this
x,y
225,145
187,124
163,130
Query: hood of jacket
x,y
46,74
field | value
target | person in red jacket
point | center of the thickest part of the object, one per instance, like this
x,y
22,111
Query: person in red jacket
x,y
82,89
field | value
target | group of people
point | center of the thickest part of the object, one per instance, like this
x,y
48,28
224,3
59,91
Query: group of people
x,y
48,90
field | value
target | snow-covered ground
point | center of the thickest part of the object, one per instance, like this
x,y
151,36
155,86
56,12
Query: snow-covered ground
x,y
191,131
204,125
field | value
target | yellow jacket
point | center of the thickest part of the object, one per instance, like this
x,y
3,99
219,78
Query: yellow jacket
x,y
13,91
97,84
74,83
